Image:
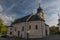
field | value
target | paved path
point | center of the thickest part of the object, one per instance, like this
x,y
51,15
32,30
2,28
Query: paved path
x,y
55,37
2,38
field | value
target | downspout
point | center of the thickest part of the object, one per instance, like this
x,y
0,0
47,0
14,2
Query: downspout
x,y
41,29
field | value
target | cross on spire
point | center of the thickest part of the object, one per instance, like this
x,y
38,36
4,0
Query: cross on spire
x,y
39,5
39,9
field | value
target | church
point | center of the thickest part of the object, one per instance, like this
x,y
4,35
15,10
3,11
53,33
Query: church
x,y
32,26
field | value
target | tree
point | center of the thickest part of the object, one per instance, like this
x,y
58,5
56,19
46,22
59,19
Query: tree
x,y
1,23
53,29
3,28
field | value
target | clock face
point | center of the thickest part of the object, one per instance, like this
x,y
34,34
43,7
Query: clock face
x,y
42,15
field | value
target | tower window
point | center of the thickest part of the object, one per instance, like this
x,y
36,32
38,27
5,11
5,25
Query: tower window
x,y
23,28
29,27
36,27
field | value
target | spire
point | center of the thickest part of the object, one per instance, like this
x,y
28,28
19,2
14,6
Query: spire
x,y
39,9
39,5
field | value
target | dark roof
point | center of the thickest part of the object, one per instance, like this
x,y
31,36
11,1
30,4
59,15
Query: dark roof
x,y
58,19
32,18
35,18
23,19
58,24
9,26
46,25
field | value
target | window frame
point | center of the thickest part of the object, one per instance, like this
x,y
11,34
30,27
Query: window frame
x,y
22,28
29,27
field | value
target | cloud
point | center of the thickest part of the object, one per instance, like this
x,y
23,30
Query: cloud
x,y
50,4
1,9
52,20
8,9
6,19
51,9
8,15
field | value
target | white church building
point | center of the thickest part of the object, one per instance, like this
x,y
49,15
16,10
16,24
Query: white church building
x,y
32,26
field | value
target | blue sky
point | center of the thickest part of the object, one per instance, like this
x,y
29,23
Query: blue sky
x,y
13,9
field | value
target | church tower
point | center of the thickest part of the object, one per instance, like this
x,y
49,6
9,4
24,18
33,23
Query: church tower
x,y
40,12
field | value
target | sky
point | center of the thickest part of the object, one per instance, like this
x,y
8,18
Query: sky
x,y
14,9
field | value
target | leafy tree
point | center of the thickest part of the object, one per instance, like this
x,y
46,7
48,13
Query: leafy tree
x,y
3,28
53,29
1,23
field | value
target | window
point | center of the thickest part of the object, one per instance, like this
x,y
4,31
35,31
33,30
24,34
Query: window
x,y
10,28
23,28
36,27
10,33
15,28
29,27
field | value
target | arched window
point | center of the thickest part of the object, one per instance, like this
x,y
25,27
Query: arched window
x,y
22,28
29,27
10,33
11,28
36,27
15,28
